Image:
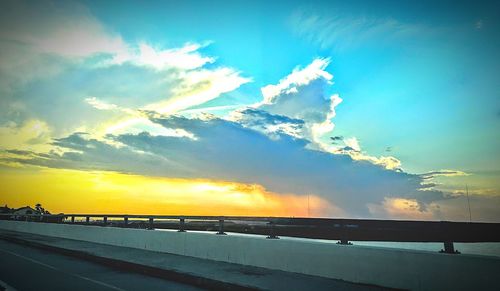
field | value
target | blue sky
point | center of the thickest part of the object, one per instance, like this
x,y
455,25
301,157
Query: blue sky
x,y
431,68
408,87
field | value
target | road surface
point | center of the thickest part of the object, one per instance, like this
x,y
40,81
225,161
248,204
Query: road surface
x,y
24,268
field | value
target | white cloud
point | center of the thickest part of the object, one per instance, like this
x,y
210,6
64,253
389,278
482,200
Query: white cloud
x,y
33,134
444,173
402,208
302,95
299,77
41,41
353,143
186,57
228,151
269,124
99,104
68,30
193,87
353,149
341,30
198,87
131,121
138,125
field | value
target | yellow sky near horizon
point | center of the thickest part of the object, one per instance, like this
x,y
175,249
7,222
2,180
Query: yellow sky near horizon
x,y
74,191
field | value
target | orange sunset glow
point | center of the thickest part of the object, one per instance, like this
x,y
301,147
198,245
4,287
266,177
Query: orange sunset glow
x,y
72,191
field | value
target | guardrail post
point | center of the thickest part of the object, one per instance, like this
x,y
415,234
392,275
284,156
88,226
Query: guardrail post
x,y
272,234
87,220
344,241
449,248
72,219
221,227
125,221
105,220
181,225
150,223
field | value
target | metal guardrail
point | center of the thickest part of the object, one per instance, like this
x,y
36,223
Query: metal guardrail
x,y
343,230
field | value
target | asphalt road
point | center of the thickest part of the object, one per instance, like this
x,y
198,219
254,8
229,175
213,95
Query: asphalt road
x,y
24,268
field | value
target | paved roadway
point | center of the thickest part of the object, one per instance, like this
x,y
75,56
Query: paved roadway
x,y
24,268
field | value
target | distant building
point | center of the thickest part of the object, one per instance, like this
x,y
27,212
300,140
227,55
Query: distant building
x,y
21,214
6,209
18,214
25,210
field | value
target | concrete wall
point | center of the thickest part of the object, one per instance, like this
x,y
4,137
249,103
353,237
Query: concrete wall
x,y
415,270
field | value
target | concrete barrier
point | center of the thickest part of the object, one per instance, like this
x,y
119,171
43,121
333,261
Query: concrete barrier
x,y
395,268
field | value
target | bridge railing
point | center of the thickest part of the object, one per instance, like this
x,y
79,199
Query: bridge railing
x,y
343,230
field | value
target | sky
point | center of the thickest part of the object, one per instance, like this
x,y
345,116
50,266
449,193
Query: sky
x,y
360,109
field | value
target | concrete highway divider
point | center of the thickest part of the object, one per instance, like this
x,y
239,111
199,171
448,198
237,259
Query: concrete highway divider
x,y
394,268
